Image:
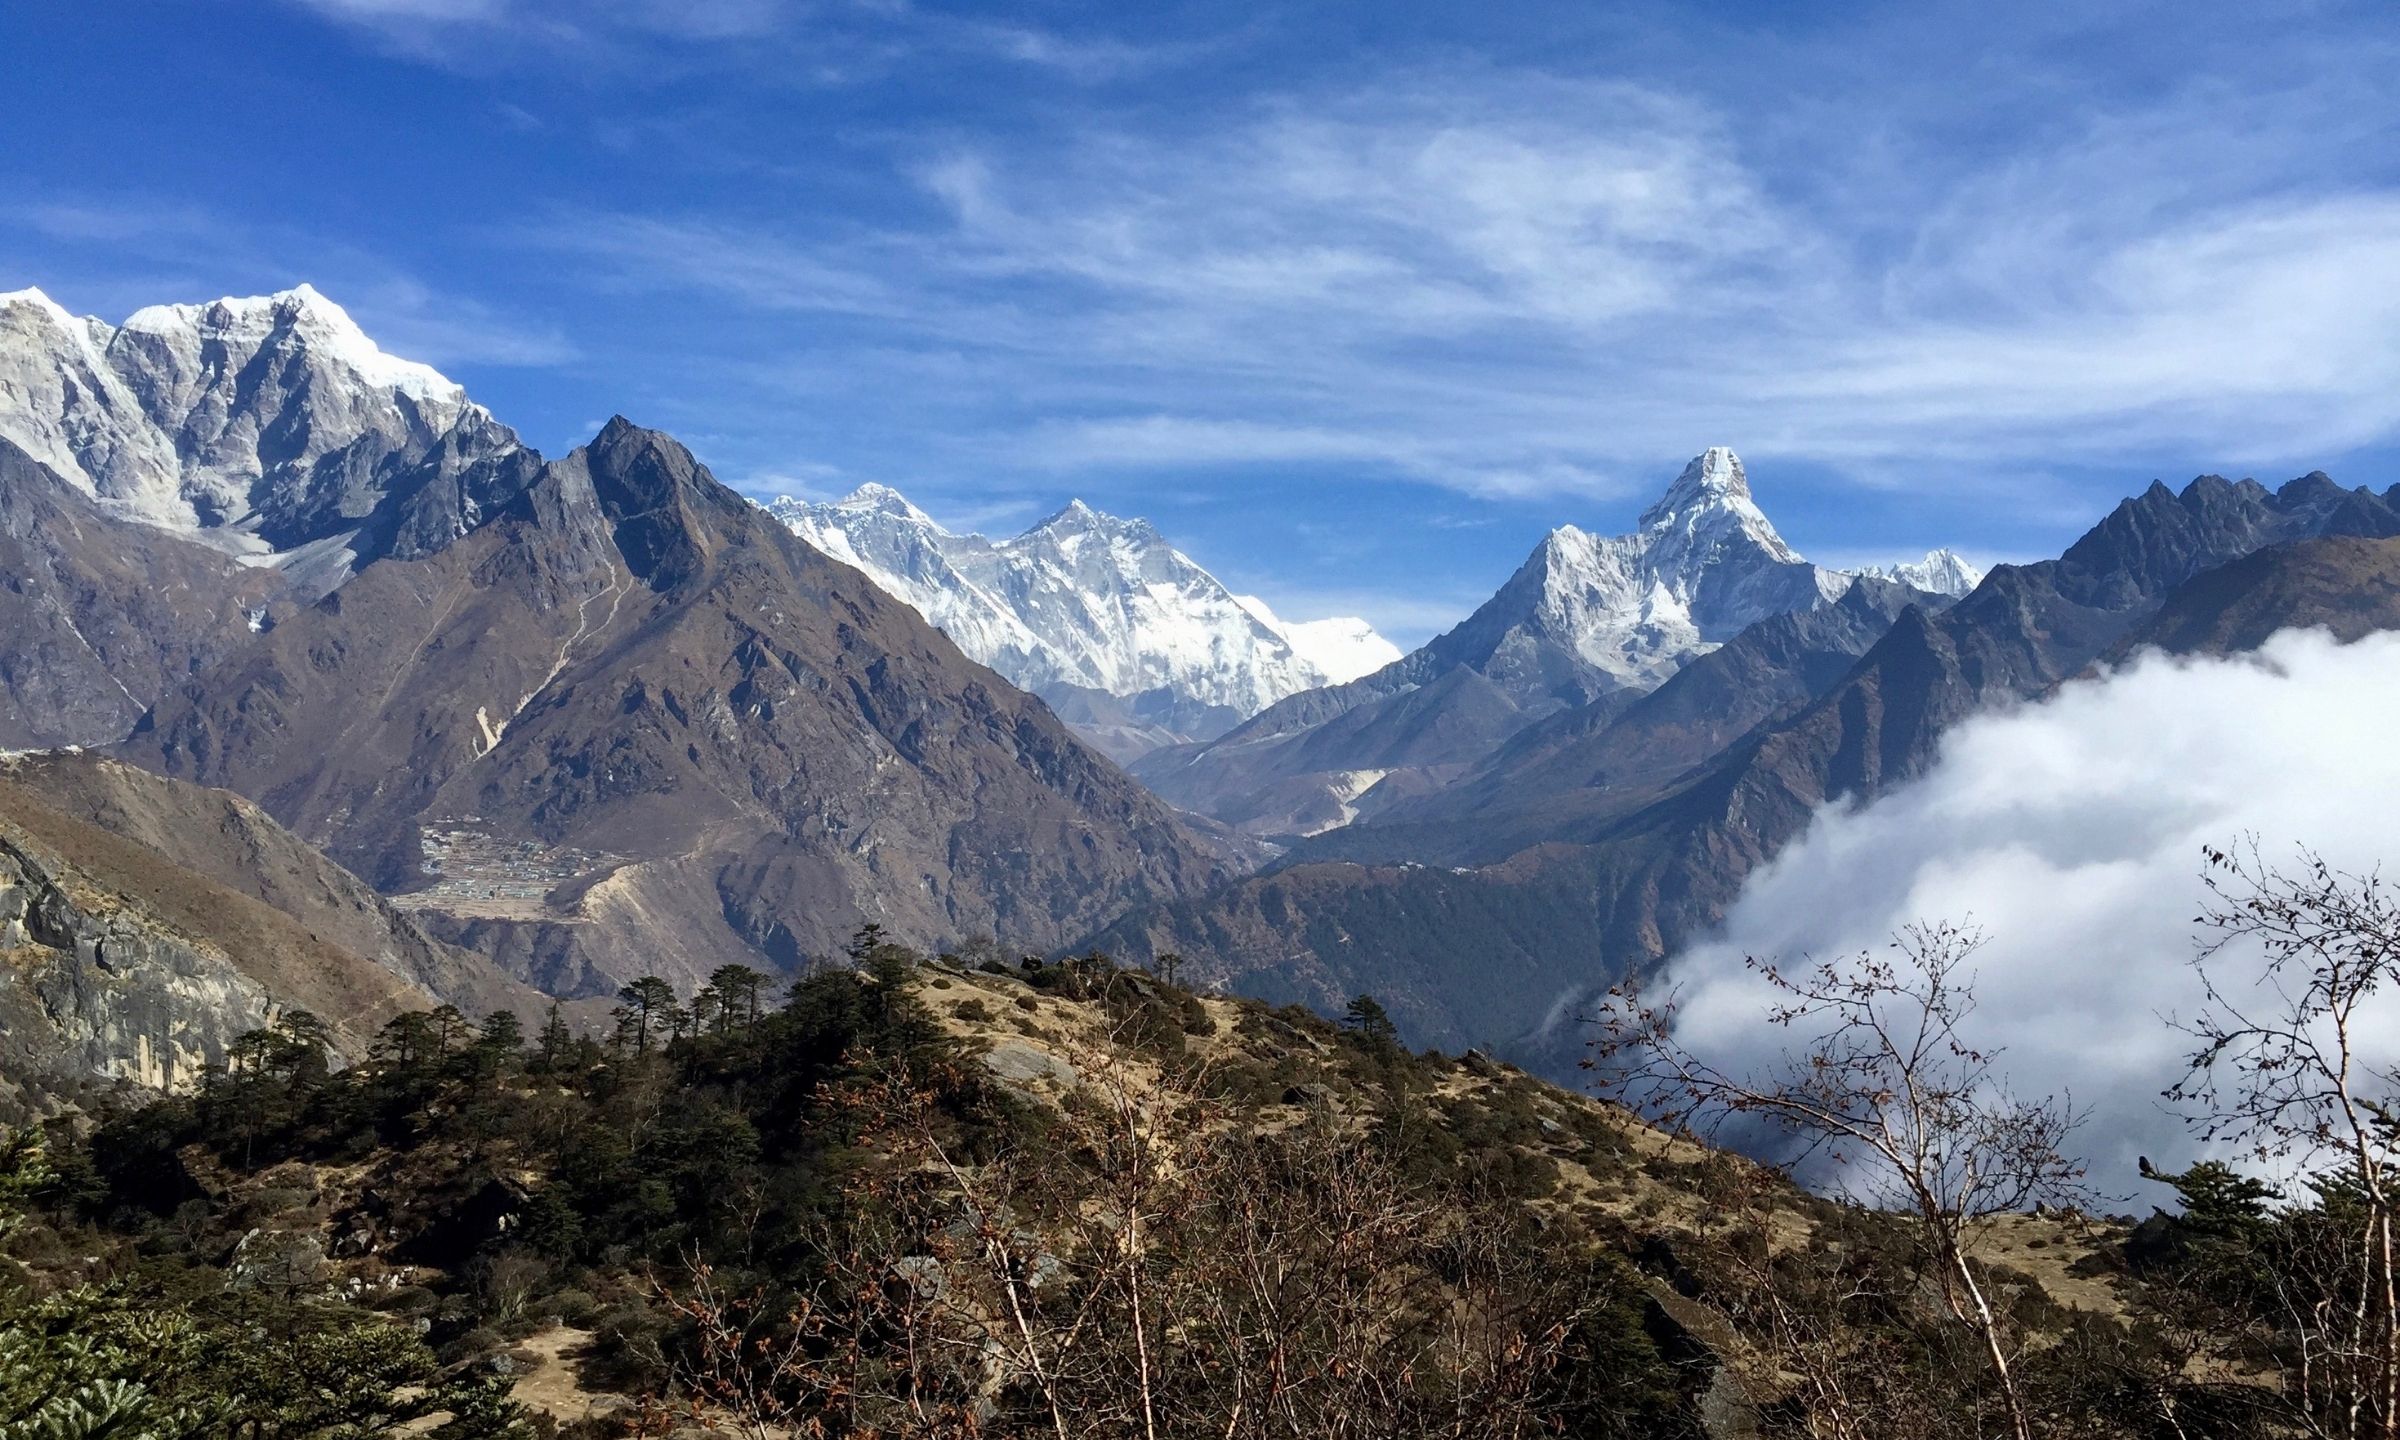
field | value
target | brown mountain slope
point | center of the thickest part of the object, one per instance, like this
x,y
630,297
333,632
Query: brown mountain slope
x,y
628,723
99,616
230,842
118,964
2344,584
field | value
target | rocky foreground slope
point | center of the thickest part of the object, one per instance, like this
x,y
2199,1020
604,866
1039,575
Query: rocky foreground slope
x,y
934,1198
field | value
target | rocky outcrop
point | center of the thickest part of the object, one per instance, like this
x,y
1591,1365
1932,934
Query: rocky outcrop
x,y
99,993
228,841
120,966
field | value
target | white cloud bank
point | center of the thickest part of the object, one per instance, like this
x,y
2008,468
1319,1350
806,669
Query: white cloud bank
x,y
2070,832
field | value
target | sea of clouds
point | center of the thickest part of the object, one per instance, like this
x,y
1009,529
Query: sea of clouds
x,y
2070,831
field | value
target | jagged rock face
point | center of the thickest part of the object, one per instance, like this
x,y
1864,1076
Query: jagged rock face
x,y
97,994
225,841
118,964
1499,952
270,425
1086,605
640,727
1584,619
100,616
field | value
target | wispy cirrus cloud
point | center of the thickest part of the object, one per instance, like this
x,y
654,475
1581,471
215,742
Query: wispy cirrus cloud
x,y
1511,284
1943,272
825,43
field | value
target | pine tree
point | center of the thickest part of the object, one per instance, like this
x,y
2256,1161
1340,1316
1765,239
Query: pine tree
x,y
499,1043
646,1003
450,1030
738,988
555,1039
406,1044
1367,1016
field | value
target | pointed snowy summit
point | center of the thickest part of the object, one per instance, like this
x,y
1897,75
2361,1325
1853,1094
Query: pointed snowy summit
x,y
1714,477
872,498
1704,563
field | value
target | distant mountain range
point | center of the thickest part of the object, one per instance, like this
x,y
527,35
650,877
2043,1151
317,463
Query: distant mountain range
x,y
1125,635
591,717
584,718
1595,845
1587,621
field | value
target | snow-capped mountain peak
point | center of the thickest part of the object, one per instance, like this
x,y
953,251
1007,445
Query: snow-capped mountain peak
x,y
870,499
1076,518
1704,564
1085,601
308,319
211,417
1713,478
1632,609
34,299
1941,572
1707,505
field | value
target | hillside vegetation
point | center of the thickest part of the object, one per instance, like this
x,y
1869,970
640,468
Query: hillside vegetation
x,y
946,1198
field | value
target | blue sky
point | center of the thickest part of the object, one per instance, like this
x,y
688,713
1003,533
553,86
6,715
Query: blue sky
x,y
1354,301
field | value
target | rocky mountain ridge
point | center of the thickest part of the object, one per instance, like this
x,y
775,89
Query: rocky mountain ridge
x,y
100,615
568,710
627,723
270,426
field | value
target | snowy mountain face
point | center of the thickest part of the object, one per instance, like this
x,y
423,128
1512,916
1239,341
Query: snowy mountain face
x,y
1342,648
262,425
1941,572
1586,621
1705,564
1088,602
